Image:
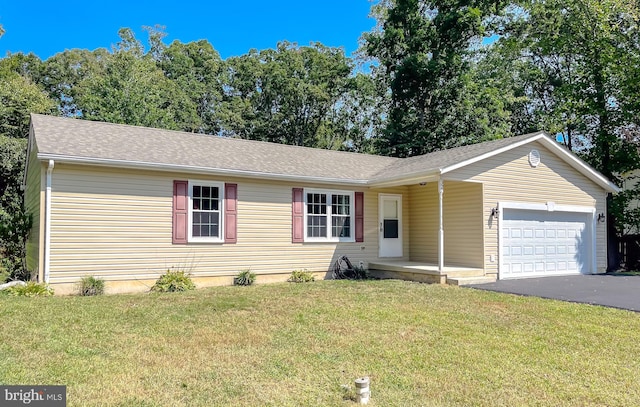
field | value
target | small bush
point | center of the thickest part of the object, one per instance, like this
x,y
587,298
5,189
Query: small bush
x,y
31,289
91,286
301,276
245,277
173,281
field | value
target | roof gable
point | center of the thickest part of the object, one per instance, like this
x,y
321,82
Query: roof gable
x,y
83,141
442,162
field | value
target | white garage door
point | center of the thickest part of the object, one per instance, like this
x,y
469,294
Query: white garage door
x,y
541,243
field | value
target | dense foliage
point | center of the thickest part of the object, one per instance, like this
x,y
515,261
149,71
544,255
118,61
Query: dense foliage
x,y
173,281
424,54
245,277
90,286
30,289
431,75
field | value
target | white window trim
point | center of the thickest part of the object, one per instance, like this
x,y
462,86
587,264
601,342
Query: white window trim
x,y
200,239
352,218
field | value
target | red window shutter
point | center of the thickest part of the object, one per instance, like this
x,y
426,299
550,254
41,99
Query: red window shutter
x,y
230,213
180,211
359,216
297,212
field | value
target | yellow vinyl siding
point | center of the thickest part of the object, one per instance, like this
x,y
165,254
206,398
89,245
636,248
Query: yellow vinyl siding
x,y
34,205
463,232
116,224
463,240
510,177
424,223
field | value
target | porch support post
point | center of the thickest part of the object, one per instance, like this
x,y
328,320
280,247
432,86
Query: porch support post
x,y
440,226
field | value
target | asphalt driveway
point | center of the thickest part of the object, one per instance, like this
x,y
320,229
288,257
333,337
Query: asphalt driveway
x,y
615,291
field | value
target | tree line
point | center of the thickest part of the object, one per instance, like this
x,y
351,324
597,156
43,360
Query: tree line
x,y
431,75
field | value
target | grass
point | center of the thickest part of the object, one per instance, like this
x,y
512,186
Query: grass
x,y
4,275
298,344
626,273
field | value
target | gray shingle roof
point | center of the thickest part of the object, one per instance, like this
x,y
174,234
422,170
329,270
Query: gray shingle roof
x,y
57,136
107,143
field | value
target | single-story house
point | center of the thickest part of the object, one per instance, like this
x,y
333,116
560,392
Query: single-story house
x,y
126,203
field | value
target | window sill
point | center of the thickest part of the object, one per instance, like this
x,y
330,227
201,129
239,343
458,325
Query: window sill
x,y
205,241
311,240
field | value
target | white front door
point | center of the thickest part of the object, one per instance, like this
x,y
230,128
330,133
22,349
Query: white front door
x,y
390,232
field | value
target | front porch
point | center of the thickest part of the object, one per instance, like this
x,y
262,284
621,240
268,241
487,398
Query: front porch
x,y
433,231
428,272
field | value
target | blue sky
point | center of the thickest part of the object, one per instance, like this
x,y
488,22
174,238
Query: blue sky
x,y
232,27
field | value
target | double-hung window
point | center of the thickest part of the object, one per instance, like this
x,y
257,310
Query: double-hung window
x,y
205,211
329,216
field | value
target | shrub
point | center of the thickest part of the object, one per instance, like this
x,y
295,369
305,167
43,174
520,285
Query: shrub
x,y
15,222
301,276
31,289
173,281
245,277
91,286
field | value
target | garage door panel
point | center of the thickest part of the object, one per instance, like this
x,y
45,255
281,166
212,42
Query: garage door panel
x,y
539,243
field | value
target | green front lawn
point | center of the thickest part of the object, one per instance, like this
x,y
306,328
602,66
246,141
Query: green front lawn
x,y
297,344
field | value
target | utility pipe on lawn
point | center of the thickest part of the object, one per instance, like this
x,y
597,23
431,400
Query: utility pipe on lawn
x,y
47,222
362,390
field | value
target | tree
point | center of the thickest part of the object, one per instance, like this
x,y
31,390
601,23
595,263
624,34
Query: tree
x,y
63,73
357,117
196,69
15,223
422,48
19,96
285,95
133,90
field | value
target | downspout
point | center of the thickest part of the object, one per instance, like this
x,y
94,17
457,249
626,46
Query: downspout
x,y
440,225
47,222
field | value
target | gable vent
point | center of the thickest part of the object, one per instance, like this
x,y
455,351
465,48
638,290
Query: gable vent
x,y
534,158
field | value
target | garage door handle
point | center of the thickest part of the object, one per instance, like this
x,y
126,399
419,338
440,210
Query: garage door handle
x,y
381,226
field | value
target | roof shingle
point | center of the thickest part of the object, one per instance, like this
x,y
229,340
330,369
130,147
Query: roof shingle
x,y
57,136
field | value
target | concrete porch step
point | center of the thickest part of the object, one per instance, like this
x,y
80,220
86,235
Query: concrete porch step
x,y
460,272
470,280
